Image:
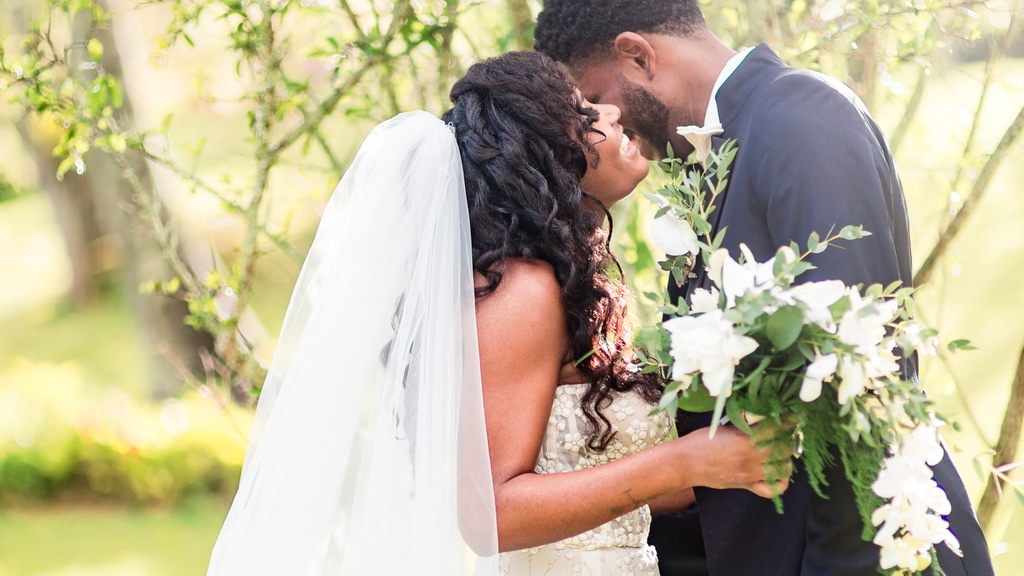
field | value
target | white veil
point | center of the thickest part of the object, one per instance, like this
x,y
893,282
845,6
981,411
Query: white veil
x,y
368,454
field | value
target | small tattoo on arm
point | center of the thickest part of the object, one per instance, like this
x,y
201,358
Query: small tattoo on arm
x,y
620,510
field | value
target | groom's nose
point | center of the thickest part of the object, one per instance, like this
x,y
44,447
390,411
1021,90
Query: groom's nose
x,y
610,113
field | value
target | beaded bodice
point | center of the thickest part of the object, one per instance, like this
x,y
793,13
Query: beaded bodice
x,y
564,449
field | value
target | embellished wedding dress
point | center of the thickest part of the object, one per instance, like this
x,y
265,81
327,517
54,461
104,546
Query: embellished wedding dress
x,y
350,469
619,547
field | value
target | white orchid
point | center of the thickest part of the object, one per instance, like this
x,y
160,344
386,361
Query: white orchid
x,y
672,234
700,138
716,261
923,444
853,381
703,300
737,280
817,371
816,298
881,362
707,343
911,520
863,327
913,333
899,552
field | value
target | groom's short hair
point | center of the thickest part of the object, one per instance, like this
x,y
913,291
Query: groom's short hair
x,y
580,31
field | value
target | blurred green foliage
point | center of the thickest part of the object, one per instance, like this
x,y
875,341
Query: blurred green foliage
x,y
62,439
8,190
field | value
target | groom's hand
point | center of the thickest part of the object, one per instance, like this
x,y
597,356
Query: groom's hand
x,y
781,441
732,459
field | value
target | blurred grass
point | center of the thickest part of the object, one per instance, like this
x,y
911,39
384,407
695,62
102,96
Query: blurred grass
x,y
62,541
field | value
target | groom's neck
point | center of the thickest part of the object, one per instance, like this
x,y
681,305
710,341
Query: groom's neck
x,y
690,66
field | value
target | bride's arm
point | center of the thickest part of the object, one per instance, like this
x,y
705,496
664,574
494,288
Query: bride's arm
x,y
675,502
523,339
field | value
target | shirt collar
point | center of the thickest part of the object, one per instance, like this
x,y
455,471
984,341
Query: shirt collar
x,y
711,116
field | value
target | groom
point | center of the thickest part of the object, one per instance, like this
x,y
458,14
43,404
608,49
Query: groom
x,y
810,159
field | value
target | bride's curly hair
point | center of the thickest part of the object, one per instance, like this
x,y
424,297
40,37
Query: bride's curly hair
x,y
521,128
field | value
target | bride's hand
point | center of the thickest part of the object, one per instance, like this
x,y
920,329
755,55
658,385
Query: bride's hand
x,y
731,459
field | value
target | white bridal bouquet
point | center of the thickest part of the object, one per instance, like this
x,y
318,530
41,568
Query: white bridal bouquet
x,y
821,358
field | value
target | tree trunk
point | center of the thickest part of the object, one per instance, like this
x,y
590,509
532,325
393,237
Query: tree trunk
x,y
74,207
864,67
159,318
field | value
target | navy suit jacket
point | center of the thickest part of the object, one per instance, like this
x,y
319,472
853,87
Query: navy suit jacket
x,y
810,158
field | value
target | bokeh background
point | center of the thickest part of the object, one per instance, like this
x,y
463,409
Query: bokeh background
x,y
162,168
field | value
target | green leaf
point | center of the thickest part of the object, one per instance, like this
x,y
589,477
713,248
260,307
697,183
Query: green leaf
x,y
784,327
719,239
904,293
716,417
960,344
800,267
977,468
115,93
677,275
117,142
753,381
812,242
64,166
795,359
735,414
696,399
165,124
95,48
853,232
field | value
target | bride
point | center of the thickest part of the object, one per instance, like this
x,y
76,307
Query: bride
x,y
455,388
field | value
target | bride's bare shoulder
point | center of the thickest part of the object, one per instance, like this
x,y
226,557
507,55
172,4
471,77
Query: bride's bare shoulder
x,y
525,285
522,339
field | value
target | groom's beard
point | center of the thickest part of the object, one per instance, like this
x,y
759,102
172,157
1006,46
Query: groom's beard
x,y
650,119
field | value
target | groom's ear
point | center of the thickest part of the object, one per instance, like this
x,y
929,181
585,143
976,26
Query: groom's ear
x,y
635,56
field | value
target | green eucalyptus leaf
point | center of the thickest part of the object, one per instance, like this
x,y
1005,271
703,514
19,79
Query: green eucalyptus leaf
x,y
813,240
800,267
784,327
719,239
960,344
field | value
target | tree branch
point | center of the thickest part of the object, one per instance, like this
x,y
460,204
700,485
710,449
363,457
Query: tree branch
x,y
1006,447
910,111
999,51
924,273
